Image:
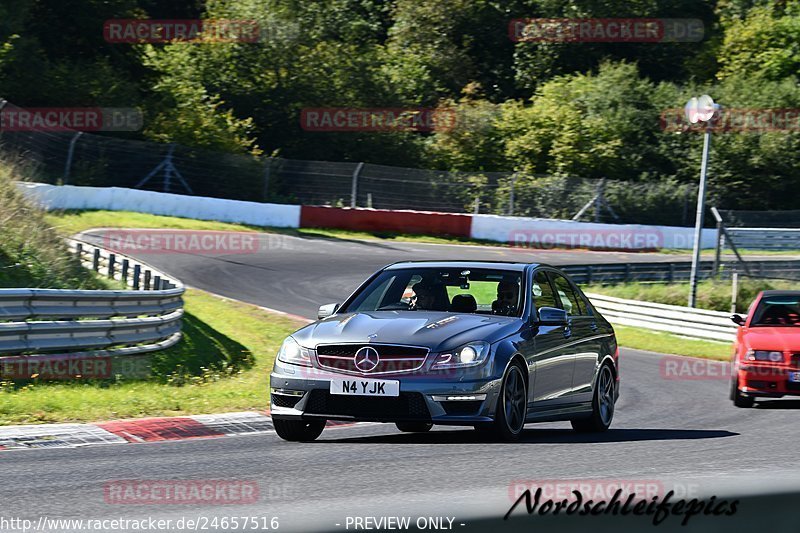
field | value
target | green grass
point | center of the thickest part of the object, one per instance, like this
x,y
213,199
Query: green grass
x,y
714,295
236,342
667,343
32,253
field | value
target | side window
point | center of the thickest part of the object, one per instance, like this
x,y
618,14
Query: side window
x,y
570,301
542,291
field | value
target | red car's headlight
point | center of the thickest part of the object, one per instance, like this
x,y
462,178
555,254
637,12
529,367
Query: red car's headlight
x,y
764,356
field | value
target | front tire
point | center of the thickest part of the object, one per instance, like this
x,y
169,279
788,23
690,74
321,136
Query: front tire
x,y
512,405
602,404
414,427
298,430
739,399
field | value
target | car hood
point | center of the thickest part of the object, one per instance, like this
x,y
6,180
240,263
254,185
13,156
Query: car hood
x,y
783,339
435,330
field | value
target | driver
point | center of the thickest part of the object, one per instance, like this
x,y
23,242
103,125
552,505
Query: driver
x,y
507,298
424,297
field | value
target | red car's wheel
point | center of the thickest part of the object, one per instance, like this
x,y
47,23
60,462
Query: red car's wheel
x,y
739,399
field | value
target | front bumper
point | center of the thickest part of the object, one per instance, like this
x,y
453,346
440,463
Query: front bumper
x,y
423,398
769,381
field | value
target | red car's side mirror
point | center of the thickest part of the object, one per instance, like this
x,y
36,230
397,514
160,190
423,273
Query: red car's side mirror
x,y
737,319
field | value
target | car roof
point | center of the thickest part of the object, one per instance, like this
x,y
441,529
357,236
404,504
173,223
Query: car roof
x,y
496,265
778,292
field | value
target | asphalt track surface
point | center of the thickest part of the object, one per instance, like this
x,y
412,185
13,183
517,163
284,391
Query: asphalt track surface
x,y
682,434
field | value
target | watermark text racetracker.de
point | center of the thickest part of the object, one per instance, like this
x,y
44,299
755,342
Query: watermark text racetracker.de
x,y
65,119
654,499
606,30
620,238
231,522
377,119
735,119
197,242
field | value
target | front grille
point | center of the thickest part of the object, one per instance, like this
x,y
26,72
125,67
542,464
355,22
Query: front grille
x,y
393,358
792,386
409,405
758,384
283,400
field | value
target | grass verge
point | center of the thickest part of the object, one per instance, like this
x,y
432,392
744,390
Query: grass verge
x,y
222,365
714,295
667,343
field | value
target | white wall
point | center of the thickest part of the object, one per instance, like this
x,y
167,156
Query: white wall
x,y
159,203
545,233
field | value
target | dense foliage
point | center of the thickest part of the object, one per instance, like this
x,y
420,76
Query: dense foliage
x,y
561,109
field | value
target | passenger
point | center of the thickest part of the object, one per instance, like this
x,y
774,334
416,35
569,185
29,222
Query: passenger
x,y
507,299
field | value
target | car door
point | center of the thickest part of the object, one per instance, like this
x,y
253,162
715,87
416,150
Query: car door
x,y
584,343
553,364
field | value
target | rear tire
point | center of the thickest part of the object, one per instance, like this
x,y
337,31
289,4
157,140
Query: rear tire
x,y
739,399
414,427
298,430
602,404
512,405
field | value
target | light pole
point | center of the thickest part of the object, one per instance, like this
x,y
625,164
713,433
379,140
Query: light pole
x,y
700,110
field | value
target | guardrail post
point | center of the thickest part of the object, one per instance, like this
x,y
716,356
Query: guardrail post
x,y
627,272
96,260
157,283
734,290
79,251
589,272
671,275
137,272
147,275
354,186
112,259
124,273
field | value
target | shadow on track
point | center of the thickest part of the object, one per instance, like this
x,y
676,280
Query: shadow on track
x,y
537,436
778,404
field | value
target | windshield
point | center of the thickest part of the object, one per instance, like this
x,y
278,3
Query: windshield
x,y
454,290
777,311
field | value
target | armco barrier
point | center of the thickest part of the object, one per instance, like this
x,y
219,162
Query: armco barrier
x,y
684,321
93,323
669,272
766,238
361,219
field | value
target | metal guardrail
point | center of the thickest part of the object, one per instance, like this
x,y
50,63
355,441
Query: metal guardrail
x,y
684,321
674,272
98,322
765,238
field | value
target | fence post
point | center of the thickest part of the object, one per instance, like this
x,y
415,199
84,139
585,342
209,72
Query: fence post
x,y
124,274
267,171
96,260
79,250
511,194
157,283
354,187
137,272
147,275
70,153
112,259
734,290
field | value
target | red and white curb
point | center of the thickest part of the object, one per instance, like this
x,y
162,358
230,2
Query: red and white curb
x,y
138,430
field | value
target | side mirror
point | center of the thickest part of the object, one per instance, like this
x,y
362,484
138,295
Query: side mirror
x,y
327,310
737,319
552,316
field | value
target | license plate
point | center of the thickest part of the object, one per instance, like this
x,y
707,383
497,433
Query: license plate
x,y
794,377
365,387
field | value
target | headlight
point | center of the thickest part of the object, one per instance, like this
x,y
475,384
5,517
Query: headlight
x,y
293,353
471,354
764,355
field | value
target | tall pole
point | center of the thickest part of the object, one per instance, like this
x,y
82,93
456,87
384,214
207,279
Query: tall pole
x,y
699,219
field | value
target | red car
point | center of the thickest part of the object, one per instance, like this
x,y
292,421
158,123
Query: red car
x,y
766,359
